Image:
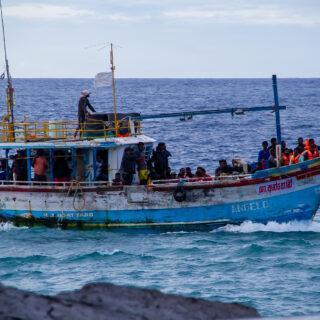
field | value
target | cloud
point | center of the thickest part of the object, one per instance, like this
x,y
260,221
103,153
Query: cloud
x,y
45,12
271,15
49,12
126,17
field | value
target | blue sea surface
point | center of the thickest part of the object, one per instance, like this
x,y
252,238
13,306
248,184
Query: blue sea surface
x,y
274,268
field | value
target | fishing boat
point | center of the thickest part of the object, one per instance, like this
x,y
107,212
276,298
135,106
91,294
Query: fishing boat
x,y
279,194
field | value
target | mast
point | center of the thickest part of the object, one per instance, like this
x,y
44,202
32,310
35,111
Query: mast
x,y
113,91
10,90
276,106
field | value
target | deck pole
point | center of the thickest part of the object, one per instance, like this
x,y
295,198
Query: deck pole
x,y
277,109
28,151
94,161
51,164
7,164
74,163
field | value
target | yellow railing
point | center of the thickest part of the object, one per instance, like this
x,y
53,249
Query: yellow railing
x,y
65,130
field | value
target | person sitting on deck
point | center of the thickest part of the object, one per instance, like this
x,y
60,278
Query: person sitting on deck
x,y
313,151
272,161
300,148
40,165
173,175
61,169
283,147
189,172
286,156
182,173
201,173
256,167
117,180
160,158
273,144
298,157
83,106
128,166
224,168
264,154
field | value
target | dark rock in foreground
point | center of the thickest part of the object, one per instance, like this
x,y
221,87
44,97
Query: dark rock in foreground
x,y
107,301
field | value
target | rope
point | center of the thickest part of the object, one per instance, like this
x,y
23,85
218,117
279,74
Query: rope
x,y
78,191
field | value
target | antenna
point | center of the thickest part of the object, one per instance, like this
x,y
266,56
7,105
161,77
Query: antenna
x,y
10,90
114,91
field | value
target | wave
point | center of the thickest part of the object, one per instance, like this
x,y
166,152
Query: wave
x,y
98,255
27,259
292,226
7,226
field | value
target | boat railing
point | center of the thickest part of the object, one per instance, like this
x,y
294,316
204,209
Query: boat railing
x,y
69,184
203,180
65,130
95,184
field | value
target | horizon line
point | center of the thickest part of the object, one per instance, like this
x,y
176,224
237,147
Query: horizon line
x,y
169,78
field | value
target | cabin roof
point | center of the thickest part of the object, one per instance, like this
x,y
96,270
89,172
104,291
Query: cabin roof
x,y
95,143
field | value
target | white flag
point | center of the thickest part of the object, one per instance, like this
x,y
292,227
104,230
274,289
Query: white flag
x,y
103,79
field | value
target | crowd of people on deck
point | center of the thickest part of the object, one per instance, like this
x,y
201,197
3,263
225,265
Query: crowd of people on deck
x,y
157,167
304,150
154,166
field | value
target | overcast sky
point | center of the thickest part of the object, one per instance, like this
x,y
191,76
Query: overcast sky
x,y
164,38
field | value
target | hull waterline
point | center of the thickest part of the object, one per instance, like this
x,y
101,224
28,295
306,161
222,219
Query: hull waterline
x,y
207,205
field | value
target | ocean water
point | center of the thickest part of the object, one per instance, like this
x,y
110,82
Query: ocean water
x,y
274,268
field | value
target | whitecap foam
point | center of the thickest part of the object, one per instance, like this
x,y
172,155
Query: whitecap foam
x,y
7,226
292,226
112,252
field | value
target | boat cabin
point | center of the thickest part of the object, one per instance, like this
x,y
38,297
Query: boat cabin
x,y
63,143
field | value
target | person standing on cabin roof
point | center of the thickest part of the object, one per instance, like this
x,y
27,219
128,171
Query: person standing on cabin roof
x,y
264,154
83,106
40,165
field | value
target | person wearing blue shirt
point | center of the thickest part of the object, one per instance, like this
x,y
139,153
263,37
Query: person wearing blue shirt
x,y
264,154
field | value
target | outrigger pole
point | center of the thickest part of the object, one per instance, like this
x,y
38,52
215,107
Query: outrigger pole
x,y
113,91
190,114
233,111
10,90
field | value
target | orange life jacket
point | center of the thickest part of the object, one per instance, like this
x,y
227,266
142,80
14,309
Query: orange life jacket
x,y
307,145
313,154
294,160
285,159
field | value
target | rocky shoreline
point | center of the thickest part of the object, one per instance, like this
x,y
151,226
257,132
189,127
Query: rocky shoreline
x,y
107,301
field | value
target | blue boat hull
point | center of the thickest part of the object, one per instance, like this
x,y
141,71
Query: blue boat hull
x,y
298,205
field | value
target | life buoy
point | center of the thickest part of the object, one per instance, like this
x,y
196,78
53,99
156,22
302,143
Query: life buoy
x,y
179,194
